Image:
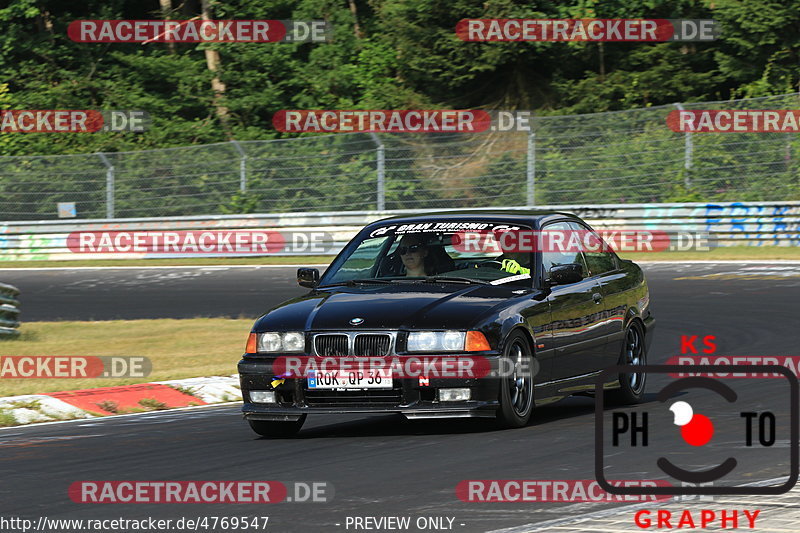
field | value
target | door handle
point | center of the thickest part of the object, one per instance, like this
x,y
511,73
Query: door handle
x,y
597,297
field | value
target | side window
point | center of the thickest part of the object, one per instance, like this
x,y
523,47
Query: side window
x,y
562,257
599,261
362,261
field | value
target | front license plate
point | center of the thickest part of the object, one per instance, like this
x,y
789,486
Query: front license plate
x,y
356,379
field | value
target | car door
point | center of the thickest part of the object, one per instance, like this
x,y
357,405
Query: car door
x,y
604,268
575,314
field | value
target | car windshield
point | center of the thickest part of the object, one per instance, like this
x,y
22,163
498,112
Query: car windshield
x,y
456,251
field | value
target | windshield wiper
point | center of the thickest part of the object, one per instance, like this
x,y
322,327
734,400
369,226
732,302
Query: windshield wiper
x,y
454,279
356,281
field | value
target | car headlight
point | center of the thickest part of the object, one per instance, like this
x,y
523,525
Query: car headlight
x,y
436,341
453,341
293,341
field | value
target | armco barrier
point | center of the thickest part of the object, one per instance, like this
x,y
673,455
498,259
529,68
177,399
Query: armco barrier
x,y
9,311
737,223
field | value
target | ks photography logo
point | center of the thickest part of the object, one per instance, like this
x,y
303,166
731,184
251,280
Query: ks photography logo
x,y
700,431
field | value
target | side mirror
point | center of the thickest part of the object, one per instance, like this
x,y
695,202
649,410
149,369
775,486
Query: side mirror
x,y
307,277
565,274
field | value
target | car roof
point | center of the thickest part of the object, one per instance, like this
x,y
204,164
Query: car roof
x,y
536,217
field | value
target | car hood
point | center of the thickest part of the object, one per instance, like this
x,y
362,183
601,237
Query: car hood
x,y
397,306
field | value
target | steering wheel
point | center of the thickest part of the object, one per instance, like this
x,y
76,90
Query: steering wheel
x,y
493,262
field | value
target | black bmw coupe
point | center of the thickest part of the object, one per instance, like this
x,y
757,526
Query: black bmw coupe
x,y
452,314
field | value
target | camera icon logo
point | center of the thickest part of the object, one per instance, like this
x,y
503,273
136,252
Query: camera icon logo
x,y
741,438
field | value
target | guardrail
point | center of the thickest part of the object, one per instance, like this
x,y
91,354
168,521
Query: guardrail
x,y
728,224
9,311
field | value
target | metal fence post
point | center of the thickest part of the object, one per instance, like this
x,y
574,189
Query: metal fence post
x,y
381,168
688,149
109,185
530,171
242,166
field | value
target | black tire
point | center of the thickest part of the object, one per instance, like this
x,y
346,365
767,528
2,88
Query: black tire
x,y
516,390
277,430
634,352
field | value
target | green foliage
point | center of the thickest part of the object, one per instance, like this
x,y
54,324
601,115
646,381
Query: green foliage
x,y
8,141
240,203
392,54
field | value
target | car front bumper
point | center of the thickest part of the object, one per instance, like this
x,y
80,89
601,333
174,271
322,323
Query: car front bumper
x,y
407,396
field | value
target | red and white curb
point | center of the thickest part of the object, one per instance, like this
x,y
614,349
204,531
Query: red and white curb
x,y
106,401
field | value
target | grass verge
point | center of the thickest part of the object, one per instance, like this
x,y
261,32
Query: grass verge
x,y
177,349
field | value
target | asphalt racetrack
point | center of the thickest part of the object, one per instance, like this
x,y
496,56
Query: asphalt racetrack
x,y
376,466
